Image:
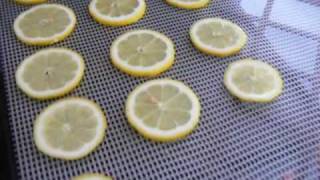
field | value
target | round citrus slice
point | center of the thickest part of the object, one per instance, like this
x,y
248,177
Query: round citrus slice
x,y
163,110
253,81
142,53
50,73
92,176
70,129
30,1
188,4
217,37
45,24
117,13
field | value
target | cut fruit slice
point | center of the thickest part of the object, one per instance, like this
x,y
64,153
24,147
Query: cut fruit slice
x,y
188,4
142,53
253,81
70,129
30,1
217,37
45,24
92,176
163,110
117,13
50,73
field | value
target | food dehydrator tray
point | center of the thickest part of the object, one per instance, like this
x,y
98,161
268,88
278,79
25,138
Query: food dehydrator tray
x,y
234,140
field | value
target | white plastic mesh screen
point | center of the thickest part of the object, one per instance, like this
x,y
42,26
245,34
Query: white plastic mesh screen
x,y
233,141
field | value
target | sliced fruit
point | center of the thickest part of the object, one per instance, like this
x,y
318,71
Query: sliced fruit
x,y
92,176
218,37
117,13
70,129
50,73
163,110
142,53
45,24
188,4
253,81
30,1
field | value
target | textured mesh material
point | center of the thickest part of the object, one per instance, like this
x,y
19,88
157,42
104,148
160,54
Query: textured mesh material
x,y
233,141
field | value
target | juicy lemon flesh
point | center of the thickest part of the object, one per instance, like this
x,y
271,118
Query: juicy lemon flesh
x,y
44,22
217,35
163,107
50,71
253,80
70,127
142,50
116,8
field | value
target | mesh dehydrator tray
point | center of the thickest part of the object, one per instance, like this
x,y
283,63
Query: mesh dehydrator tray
x,y
234,140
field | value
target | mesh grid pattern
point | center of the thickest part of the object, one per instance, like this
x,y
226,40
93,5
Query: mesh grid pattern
x,y
233,141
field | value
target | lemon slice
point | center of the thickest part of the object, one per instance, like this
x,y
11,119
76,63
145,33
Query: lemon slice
x,y
70,129
217,37
45,24
163,110
142,53
188,4
30,1
116,12
50,73
92,176
253,81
